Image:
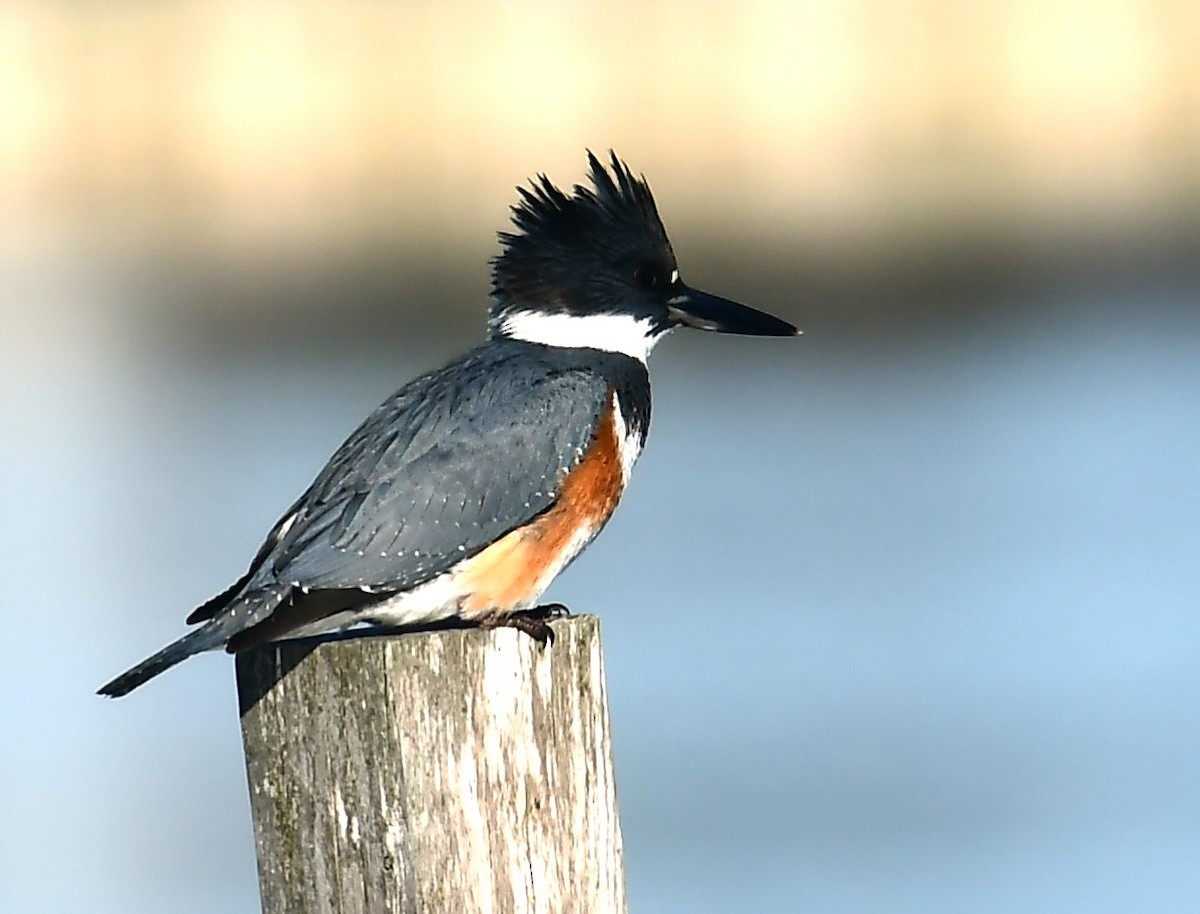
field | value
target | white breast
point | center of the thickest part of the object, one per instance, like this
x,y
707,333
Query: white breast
x,y
628,440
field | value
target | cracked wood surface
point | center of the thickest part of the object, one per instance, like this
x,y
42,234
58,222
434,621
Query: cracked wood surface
x,y
463,771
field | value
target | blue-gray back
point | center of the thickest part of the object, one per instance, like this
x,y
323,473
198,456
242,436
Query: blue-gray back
x,y
445,466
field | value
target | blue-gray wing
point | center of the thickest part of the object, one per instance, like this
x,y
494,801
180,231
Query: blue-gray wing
x,y
443,468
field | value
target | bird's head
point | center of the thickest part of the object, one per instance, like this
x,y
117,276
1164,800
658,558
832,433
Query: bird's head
x,y
595,269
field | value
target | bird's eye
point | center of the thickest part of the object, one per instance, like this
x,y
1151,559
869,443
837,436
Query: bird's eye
x,y
648,276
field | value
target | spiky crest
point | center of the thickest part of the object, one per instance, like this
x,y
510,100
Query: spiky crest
x,y
568,249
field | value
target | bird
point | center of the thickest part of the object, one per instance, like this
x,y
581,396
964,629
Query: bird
x,y
467,491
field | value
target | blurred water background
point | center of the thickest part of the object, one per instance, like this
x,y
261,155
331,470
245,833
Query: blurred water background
x,y
900,616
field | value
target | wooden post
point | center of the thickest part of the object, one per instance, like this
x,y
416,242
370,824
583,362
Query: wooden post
x,y
452,771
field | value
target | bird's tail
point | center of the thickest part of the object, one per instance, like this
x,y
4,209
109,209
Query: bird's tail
x,y
202,639
244,613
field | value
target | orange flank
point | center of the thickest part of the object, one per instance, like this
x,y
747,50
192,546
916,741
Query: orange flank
x,y
513,571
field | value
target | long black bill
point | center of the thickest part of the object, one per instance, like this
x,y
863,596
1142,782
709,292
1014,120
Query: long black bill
x,y
694,308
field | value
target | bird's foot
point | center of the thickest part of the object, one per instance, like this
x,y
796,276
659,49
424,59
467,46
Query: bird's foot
x,y
534,622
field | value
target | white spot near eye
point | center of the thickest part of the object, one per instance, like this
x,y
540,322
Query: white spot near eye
x,y
674,277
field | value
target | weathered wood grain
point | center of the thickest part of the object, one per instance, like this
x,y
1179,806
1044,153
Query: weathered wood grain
x,y
453,771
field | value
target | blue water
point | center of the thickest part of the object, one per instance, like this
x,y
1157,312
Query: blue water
x,y
900,625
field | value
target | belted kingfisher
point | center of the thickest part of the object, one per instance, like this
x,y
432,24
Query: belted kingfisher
x,y
469,489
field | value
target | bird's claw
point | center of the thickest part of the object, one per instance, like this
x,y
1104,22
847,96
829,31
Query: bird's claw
x,y
534,622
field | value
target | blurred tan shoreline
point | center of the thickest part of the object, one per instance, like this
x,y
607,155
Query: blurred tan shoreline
x,y
858,149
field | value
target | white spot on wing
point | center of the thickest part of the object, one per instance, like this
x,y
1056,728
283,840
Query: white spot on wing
x,y
285,527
